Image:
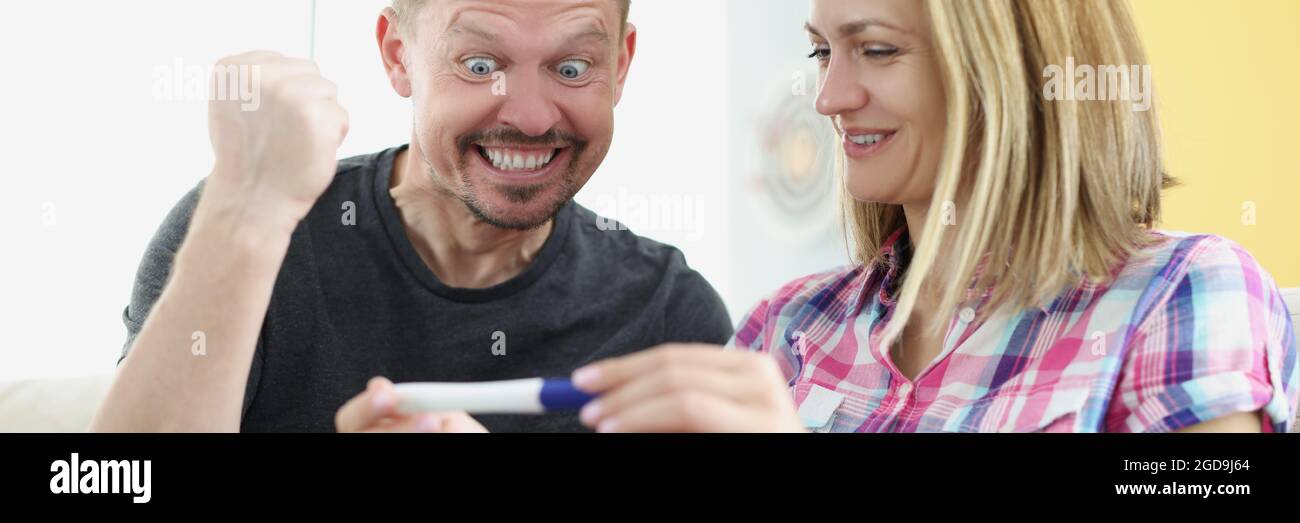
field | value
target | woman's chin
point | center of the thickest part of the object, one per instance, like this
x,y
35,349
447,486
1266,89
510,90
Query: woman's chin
x,y
873,191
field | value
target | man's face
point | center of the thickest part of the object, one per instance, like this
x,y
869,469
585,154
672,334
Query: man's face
x,y
514,100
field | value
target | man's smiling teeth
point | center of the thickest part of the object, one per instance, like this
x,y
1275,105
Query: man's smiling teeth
x,y
867,139
516,160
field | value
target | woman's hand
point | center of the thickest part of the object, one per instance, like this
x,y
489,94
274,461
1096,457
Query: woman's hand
x,y
687,388
375,410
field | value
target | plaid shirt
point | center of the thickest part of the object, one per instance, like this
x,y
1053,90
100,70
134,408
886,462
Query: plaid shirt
x,y
1189,330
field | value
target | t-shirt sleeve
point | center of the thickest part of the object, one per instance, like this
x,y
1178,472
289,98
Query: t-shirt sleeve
x,y
1220,342
696,313
153,272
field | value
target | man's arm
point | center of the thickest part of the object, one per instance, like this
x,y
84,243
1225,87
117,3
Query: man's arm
x,y
188,367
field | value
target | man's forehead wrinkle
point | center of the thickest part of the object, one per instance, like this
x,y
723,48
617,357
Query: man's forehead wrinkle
x,y
595,27
455,27
590,13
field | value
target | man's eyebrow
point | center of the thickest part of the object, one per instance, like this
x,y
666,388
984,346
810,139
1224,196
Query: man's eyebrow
x,y
472,31
591,32
853,28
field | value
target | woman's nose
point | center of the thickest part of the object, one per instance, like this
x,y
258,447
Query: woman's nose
x,y
841,91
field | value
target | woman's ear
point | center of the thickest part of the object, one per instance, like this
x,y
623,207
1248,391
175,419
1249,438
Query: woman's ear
x,y
392,50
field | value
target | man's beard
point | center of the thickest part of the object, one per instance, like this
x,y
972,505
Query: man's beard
x,y
568,184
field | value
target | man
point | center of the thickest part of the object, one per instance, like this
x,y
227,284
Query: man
x,y
280,287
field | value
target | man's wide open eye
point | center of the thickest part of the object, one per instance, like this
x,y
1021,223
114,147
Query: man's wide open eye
x,y
481,65
573,69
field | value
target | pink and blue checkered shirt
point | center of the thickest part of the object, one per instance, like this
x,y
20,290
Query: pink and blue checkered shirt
x,y
1189,330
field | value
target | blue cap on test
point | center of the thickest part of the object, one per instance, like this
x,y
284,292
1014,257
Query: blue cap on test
x,y
560,394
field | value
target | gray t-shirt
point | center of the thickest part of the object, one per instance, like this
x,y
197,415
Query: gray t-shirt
x,y
356,301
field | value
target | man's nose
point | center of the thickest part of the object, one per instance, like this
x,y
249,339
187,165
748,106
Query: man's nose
x,y
528,105
840,92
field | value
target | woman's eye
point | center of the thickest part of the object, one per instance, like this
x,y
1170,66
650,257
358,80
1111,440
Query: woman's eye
x,y
481,65
821,53
573,69
880,51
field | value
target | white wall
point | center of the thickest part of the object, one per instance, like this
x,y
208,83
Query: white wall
x,y
94,159
677,197
782,189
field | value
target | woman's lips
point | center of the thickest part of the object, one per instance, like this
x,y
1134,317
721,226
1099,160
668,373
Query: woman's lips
x,y
860,144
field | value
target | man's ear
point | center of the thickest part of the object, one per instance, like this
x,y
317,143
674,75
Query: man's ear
x,y
392,51
625,54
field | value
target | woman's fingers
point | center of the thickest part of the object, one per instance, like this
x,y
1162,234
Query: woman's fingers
x,y
687,388
607,374
665,382
688,411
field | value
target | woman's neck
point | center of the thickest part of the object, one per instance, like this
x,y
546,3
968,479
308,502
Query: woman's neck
x,y
940,274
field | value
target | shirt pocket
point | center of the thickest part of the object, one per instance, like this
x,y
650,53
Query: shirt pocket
x,y
828,409
1044,408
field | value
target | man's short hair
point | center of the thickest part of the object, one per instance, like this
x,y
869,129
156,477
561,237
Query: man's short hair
x,y
406,13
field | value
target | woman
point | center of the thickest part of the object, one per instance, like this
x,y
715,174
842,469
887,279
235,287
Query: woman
x,y
1009,278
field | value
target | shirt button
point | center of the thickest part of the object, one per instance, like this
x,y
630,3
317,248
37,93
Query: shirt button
x,y
967,315
905,389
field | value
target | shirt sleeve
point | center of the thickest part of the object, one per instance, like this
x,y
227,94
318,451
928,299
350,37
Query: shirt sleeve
x,y
749,332
1219,343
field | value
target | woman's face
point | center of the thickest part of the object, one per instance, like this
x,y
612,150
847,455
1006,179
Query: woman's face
x,y
879,82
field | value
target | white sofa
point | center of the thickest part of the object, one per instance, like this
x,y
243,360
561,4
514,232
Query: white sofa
x,y
66,405
55,405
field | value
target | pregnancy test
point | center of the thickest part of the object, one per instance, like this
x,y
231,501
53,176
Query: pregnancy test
x,y
526,396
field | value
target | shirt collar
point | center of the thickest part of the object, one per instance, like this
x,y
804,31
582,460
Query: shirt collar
x,y
892,261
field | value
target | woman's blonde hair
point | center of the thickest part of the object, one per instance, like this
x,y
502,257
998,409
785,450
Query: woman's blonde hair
x,y
1047,192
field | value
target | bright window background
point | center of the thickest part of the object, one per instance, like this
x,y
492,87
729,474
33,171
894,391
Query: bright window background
x,y
94,160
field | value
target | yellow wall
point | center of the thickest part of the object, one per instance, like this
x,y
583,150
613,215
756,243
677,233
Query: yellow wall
x,y
1227,81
